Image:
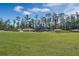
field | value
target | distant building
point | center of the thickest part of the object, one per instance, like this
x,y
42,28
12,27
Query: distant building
x,y
26,30
75,30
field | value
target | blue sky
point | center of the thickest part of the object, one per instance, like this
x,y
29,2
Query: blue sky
x,y
11,10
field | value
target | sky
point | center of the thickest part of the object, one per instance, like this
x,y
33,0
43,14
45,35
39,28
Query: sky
x,y
12,10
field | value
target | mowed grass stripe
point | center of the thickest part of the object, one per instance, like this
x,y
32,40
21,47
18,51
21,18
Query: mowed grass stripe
x,y
39,43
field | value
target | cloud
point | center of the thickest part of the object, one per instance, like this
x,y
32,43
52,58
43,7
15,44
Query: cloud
x,y
21,9
39,10
30,10
35,10
52,4
68,8
71,9
26,13
18,8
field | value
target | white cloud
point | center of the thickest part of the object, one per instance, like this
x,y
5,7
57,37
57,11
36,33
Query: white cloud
x,y
52,4
30,11
21,9
26,13
45,10
18,8
39,10
71,9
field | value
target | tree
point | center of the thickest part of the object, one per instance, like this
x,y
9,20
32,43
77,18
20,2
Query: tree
x,y
27,18
18,22
1,24
14,22
7,25
22,24
55,19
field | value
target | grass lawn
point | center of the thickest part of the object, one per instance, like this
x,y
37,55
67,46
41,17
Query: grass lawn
x,y
39,44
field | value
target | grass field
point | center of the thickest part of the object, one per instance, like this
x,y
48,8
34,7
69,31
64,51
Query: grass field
x,y
39,44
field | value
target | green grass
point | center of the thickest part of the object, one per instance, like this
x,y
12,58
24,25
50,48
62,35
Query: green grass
x,y
39,44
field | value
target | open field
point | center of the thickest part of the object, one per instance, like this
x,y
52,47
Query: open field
x,y
39,43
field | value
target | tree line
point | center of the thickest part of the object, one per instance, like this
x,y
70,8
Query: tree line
x,y
49,22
